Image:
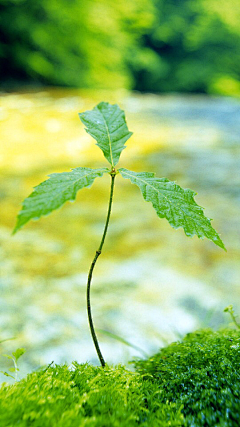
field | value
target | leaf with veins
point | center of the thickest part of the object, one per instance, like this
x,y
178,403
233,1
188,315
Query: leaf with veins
x,y
106,123
54,192
174,203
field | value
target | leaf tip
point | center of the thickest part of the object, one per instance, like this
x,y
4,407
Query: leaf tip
x,y
14,231
18,225
224,247
217,240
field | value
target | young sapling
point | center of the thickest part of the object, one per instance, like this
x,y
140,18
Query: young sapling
x,y
229,309
107,125
14,357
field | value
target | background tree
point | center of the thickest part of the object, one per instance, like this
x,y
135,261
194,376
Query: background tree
x,y
191,47
79,43
147,45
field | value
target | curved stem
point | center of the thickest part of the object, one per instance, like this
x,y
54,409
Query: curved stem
x,y
98,252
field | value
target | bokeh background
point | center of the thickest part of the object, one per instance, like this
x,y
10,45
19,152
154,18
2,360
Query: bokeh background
x,y
174,67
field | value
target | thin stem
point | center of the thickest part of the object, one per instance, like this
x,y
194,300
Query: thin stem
x,y
98,252
230,310
234,318
15,367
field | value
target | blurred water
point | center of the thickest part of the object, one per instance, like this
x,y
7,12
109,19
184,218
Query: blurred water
x,y
151,284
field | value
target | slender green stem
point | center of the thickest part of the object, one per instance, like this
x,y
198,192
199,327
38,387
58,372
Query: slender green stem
x,y
98,252
230,310
234,318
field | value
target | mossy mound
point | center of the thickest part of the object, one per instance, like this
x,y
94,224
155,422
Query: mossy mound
x,y
84,396
194,383
202,374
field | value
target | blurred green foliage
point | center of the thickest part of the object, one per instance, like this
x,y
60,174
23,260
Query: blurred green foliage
x,y
80,43
148,45
191,47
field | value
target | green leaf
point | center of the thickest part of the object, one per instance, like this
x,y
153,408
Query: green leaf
x,y
175,204
18,353
13,369
106,123
6,374
122,340
8,356
54,192
7,339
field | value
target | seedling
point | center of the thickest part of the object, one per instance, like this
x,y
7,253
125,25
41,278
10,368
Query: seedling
x,y
229,309
107,125
14,357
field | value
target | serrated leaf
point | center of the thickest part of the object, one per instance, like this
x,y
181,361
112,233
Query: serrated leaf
x,y
107,125
174,203
54,192
18,353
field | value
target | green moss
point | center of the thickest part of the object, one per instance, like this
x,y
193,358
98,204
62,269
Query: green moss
x,y
85,396
190,383
202,374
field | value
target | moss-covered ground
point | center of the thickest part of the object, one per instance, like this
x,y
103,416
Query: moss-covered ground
x,y
190,383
